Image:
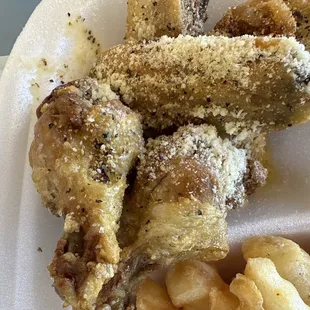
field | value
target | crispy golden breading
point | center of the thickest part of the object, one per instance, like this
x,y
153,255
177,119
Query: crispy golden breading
x,y
86,141
245,82
301,12
257,17
150,19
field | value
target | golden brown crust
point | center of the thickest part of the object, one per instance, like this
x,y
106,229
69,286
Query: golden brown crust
x,y
257,17
85,143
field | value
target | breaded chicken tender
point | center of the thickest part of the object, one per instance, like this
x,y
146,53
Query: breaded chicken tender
x,y
257,17
232,83
150,19
85,143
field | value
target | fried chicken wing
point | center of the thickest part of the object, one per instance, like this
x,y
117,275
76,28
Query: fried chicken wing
x,y
301,12
268,17
249,82
85,143
176,210
150,19
257,17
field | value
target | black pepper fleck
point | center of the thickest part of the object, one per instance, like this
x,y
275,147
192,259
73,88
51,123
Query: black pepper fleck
x,y
98,200
68,190
199,212
51,125
39,249
69,14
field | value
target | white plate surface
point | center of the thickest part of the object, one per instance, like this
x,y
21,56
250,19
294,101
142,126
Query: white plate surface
x,y
280,208
3,60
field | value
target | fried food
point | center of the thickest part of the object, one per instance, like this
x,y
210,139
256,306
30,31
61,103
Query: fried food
x,y
152,296
189,283
257,83
247,292
85,143
150,19
194,285
301,12
177,207
267,17
222,299
278,293
257,17
292,262
185,183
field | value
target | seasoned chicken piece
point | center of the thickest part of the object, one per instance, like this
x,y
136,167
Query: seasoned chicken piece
x,y
150,19
85,143
257,17
301,12
177,207
257,83
268,17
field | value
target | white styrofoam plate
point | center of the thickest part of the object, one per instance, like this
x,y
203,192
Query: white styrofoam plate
x,y
282,207
3,60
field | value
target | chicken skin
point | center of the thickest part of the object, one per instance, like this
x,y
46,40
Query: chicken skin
x,y
86,142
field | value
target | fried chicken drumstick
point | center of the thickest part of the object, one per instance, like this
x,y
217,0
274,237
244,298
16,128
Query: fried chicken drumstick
x,y
226,82
86,141
176,210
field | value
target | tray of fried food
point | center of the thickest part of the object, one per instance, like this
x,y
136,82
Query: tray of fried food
x,y
150,19
276,276
268,17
